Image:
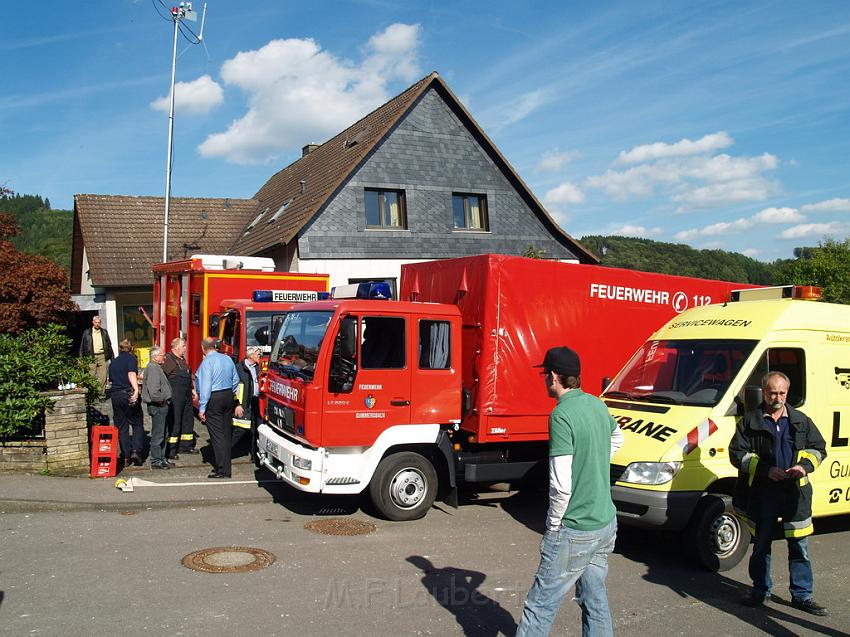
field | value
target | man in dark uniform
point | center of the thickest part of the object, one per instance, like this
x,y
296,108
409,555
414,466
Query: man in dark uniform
x,y
249,370
775,448
181,420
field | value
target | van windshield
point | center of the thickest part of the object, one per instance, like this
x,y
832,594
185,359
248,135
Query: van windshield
x,y
297,343
684,372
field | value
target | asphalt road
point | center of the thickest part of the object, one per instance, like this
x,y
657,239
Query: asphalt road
x,y
463,572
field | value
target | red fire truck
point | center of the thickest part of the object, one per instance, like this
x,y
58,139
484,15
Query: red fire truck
x,y
232,297
406,398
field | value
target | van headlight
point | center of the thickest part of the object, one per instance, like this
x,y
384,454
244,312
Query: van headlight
x,y
650,472
302,463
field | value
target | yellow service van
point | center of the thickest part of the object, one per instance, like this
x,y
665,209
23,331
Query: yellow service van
x,y
678,398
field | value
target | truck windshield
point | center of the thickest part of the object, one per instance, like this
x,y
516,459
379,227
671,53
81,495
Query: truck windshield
x,y
255,321
296,345
681,372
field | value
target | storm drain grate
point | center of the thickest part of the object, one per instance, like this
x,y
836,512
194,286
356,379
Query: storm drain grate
x,y
340,526
229,559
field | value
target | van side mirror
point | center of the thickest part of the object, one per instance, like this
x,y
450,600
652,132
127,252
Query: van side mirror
x,y
753,397
215,322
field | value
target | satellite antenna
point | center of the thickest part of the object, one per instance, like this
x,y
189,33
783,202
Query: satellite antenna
x,y
183,11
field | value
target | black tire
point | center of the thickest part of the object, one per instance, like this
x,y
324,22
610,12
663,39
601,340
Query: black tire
x,y
717,538
404,486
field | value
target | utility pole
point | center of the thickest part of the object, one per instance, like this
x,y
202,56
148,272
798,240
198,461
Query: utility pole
x,y
181,12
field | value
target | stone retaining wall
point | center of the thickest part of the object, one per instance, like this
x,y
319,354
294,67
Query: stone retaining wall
x,y
64,449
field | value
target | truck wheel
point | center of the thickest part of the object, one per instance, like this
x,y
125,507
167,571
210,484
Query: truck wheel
x,y
715,536
404,486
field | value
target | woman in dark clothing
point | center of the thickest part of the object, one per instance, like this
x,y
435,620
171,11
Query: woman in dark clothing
x,y
126,407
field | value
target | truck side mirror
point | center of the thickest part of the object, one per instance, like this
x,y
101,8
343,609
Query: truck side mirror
x,y
605,382
262,335
753,397
343,362
215,321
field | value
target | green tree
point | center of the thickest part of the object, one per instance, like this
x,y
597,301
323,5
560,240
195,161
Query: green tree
x,y
827,266
44,231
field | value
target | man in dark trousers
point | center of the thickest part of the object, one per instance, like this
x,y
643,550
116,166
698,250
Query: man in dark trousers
x,y
249,376
181,420
581,524
775,448
96,344
217,380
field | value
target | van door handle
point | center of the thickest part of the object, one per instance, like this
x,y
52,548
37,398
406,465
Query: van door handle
x,y
399,402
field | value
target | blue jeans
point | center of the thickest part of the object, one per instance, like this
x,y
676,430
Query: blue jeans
x,y
570,557
770,504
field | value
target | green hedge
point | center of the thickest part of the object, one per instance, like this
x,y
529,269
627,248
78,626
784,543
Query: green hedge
x,y
36,360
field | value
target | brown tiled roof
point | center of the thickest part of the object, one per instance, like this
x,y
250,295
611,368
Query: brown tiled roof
x,y
290,198
123,234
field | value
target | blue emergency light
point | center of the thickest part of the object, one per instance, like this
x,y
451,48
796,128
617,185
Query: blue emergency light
x,y
379,290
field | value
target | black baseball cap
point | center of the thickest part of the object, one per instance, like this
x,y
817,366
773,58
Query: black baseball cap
x,y
563,361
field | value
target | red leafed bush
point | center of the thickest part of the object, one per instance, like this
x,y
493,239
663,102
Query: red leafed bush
x,y
33,289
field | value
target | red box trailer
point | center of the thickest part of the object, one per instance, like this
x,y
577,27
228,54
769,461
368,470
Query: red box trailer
x,y
513,309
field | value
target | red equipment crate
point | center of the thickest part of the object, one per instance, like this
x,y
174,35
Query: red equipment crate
x,y
104,451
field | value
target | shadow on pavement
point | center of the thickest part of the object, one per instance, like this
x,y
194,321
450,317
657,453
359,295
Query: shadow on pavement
x,y
456,590
683,577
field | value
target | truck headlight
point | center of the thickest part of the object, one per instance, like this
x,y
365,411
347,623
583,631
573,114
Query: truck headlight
x,y
302,463
650,472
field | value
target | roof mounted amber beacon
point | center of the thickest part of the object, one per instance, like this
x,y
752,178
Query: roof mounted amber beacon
x,y
799,292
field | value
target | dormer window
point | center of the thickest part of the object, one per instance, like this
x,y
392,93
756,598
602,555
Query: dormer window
x,y
280,211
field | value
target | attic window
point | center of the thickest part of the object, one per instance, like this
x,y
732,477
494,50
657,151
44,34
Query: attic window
x,y
357,138
255,221
280,211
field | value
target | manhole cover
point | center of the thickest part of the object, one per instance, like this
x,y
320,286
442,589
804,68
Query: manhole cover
x,y
340,526
228,559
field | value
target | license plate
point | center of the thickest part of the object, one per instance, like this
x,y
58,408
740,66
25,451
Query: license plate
x,y
281,416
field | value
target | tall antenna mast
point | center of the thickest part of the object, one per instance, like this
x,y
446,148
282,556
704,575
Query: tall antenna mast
x,y
181,12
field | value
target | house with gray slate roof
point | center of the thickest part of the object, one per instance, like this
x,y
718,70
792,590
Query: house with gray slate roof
x,y
416,179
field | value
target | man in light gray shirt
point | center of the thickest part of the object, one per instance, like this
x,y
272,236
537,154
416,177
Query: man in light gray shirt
x,y
156,394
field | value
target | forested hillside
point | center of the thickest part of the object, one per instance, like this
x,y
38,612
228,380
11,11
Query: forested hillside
x,y
43,231
676,258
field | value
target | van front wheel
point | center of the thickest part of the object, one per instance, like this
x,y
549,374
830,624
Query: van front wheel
x,y
715,536
404,486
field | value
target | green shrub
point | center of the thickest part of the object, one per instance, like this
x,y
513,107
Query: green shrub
x,y
36,360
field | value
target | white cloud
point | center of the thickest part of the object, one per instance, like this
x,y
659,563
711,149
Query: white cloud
x,y
195,98
629,230
751,252
693,182
684,147
299,93
636,182
767,216
832,205
779,215
552,162
811,230
521,107
566,193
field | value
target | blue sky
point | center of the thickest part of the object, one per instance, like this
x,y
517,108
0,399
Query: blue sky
x,y
716,124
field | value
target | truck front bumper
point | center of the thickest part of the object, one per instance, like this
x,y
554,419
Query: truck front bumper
x,y
278,455
654,509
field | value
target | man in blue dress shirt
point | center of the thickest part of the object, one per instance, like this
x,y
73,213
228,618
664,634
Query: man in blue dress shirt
x,y
217,380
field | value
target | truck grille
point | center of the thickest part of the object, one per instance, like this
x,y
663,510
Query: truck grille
x,y
280,416
616,471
